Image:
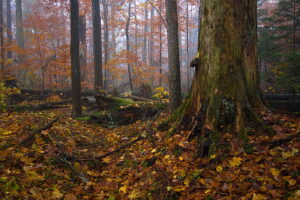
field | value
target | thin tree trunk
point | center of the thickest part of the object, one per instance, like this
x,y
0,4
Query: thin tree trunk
x,y
145,34
75,60
98,81
128,44
2,38
9,28
106,40
173,53
20,29
294,26
187,46
151,40
160,48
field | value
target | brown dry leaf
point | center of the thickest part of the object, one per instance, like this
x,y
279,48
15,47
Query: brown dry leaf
x,y
70,197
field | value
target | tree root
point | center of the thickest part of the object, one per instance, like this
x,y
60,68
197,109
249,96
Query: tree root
x,y
279,142
253,117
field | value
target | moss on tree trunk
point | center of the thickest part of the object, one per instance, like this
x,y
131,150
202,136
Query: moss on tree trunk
x,y
226,85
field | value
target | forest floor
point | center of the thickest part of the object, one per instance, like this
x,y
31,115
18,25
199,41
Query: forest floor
x,y
65,161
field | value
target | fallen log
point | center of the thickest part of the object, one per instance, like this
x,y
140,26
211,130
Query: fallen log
x,y
88,101
287,105
40,107
136,98
275,97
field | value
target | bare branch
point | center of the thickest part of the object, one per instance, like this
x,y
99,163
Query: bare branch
x,y
152,4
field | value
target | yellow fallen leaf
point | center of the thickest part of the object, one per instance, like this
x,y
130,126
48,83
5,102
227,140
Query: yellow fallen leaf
x,y
7,133
235,161
181,158
179,188
219,168
292,182
153,151
106,160
123,189
108,179
287,154
207,191
134,195
202,181
257,197
167,157
169,188
186,182
56,194
274,172
34,176
213,156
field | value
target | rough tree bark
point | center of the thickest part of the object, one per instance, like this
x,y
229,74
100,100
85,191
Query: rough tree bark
x,y
83,46
106,41
151,38
75,59
9,28
173,53
160,47
98,80
250,53
21,75
187,46
128,44
146,30
225,89
20,29
2,37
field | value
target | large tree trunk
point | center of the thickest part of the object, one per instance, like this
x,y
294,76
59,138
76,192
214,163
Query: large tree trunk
x,y
75,60
173,53
250,53
98,80
225,82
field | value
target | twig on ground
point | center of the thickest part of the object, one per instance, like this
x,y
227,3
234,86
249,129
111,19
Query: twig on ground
x,y
30,139
125,145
